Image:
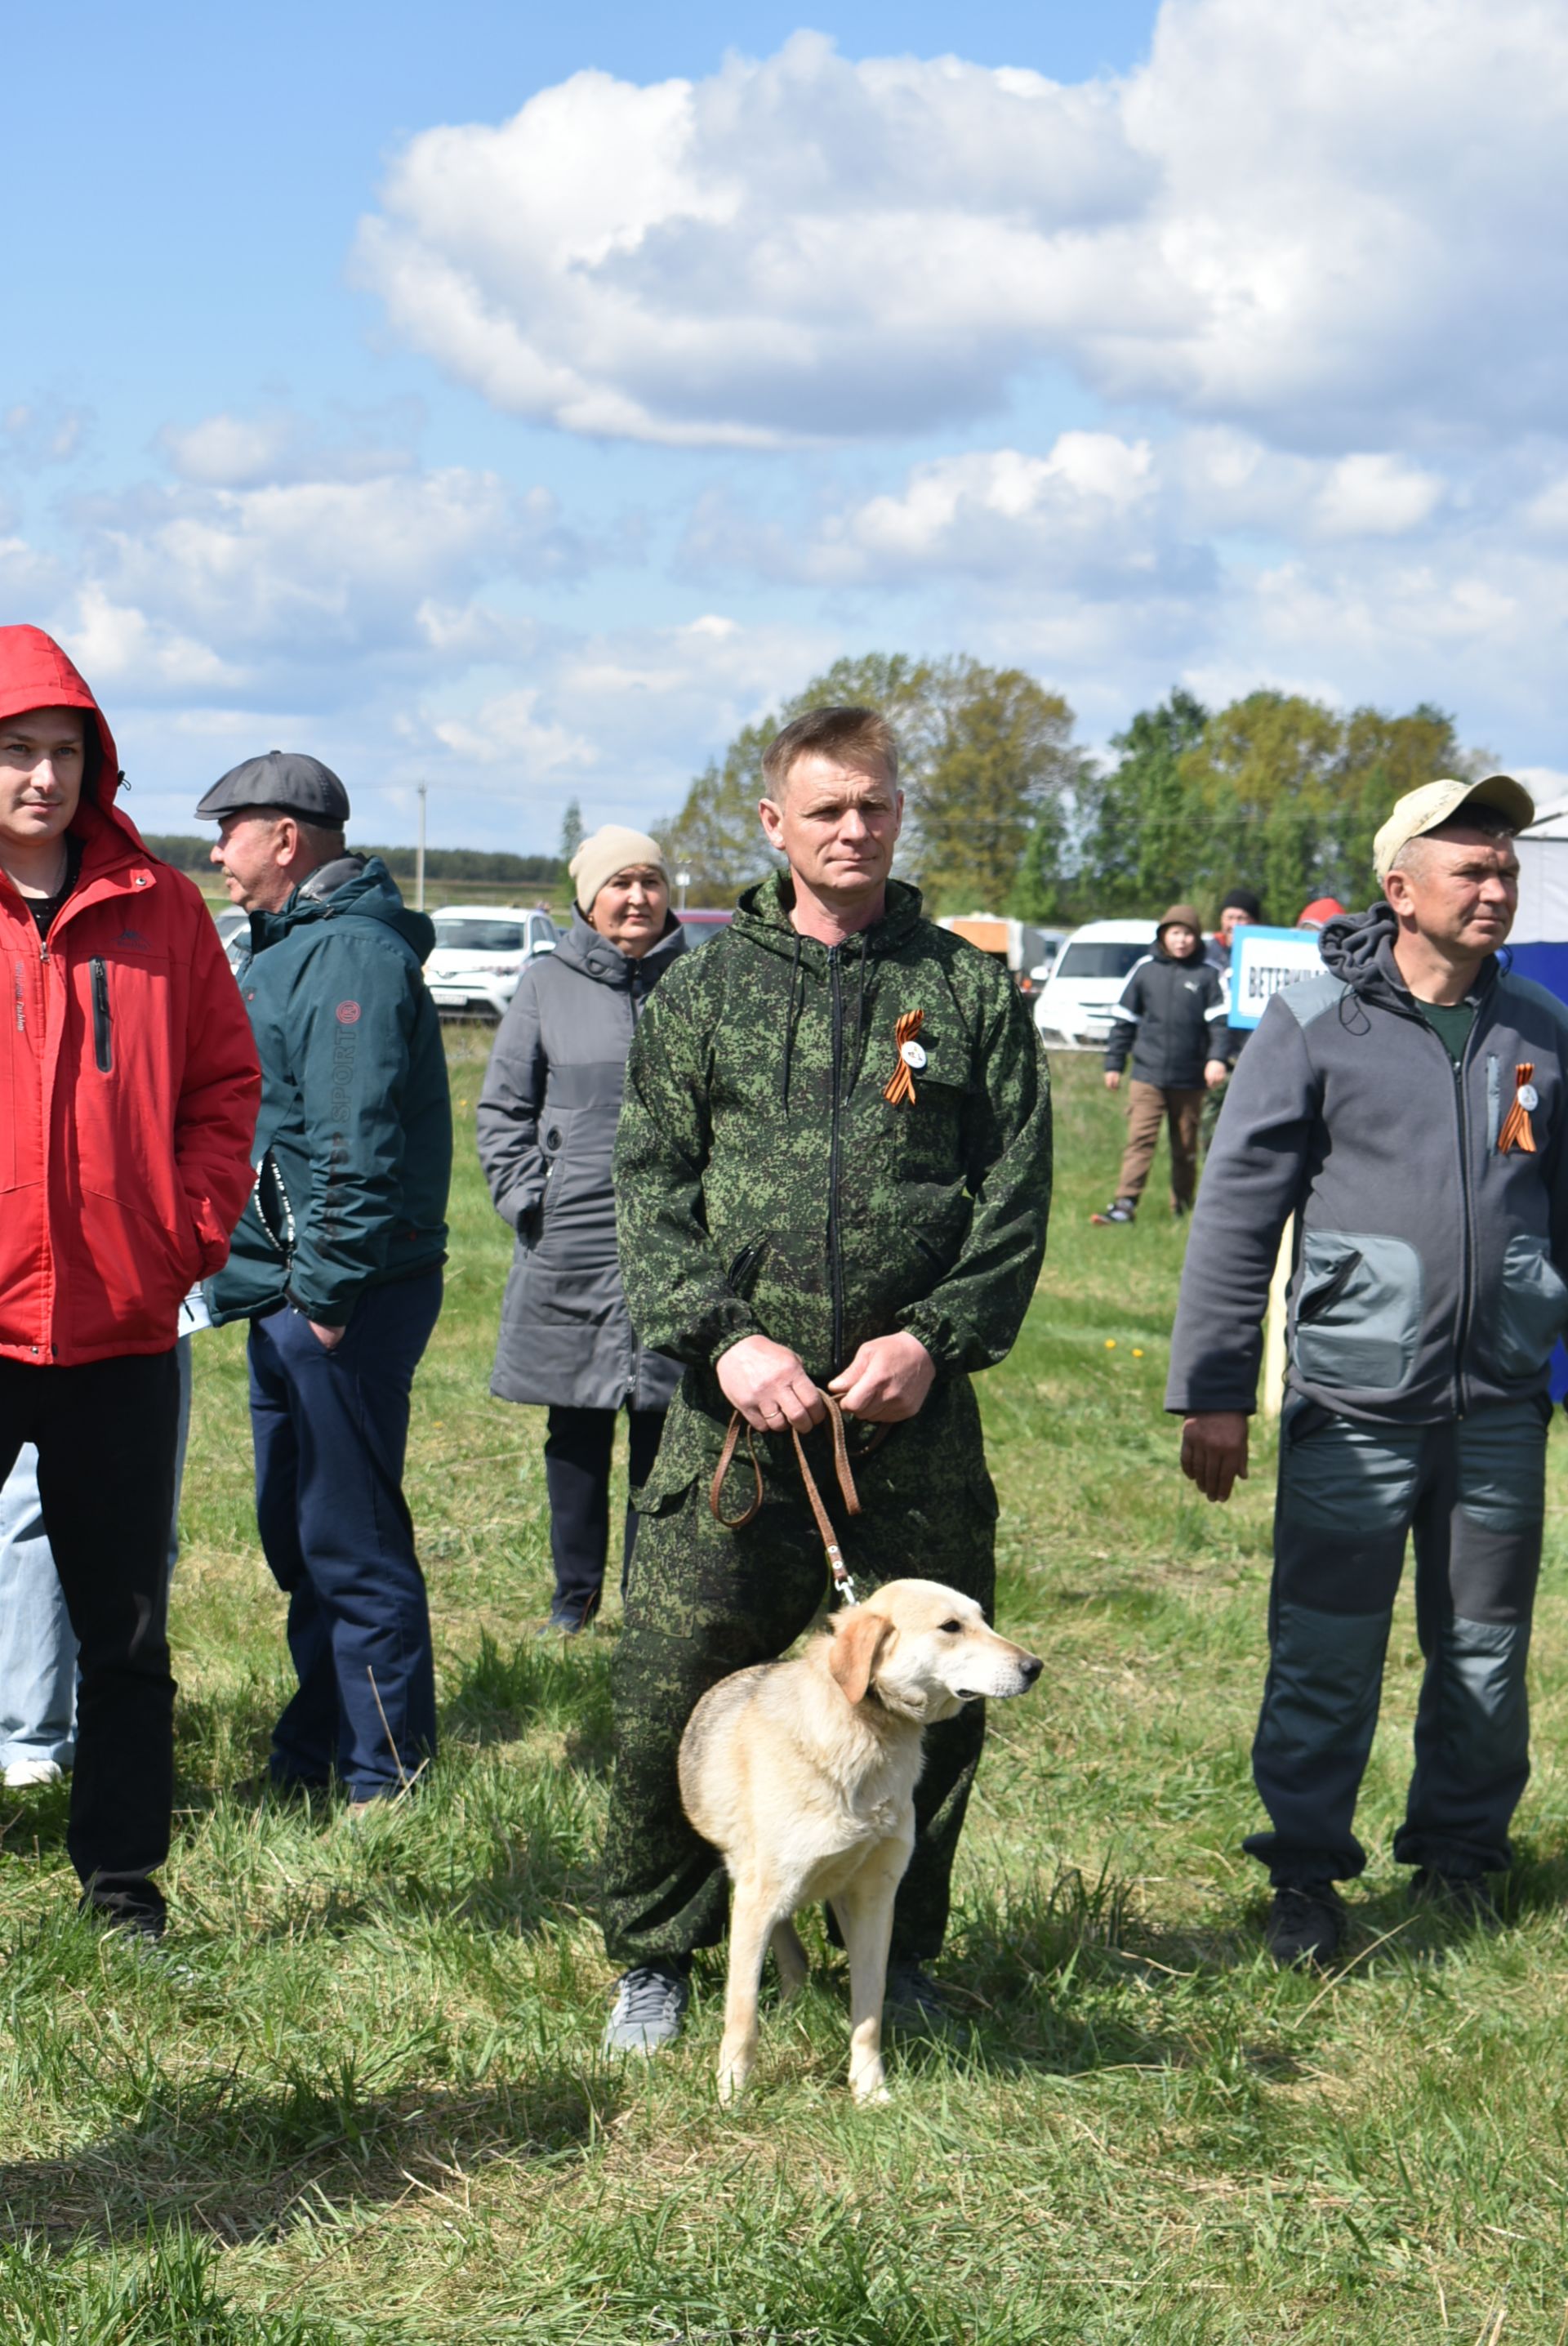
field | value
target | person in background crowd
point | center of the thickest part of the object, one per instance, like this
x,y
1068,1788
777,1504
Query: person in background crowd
x,y
1170,1010
1320,913
37,1644
833,1171
1239,909
130,1084
337,1265
546,1126
1410,1107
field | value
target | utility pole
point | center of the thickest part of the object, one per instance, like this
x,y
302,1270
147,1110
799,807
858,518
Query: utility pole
x,y
419,853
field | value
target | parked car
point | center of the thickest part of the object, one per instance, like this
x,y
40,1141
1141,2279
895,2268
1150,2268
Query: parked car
x,y
233,926
701,926
1075,1007
480,952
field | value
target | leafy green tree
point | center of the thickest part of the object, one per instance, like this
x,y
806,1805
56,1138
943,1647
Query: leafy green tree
x,y
1276,792
570,830
1002,765
716,836
1142,829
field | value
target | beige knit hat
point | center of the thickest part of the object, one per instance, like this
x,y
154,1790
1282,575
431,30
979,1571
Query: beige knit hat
x,y
1421,811
608,851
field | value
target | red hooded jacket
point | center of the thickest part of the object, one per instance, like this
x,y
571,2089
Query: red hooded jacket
x,y
129,1081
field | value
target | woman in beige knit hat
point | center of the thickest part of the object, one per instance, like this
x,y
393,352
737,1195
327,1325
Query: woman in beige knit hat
x,y
547,1119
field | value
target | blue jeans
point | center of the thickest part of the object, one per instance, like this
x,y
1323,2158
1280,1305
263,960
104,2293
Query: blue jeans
x,y
330,1431
38,1645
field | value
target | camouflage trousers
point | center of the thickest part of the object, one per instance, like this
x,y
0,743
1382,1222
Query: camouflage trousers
x,y
703,1601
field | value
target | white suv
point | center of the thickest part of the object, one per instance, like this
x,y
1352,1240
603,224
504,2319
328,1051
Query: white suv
x,y
480,952
1075,1007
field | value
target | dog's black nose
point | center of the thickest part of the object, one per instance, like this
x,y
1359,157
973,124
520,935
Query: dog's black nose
x,y
1032,1669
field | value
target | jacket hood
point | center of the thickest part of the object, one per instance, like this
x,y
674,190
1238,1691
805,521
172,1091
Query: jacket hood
x,y
584,949
367,891
763,915
1358,948
35,673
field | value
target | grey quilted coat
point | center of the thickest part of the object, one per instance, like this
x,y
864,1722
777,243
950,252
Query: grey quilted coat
x,y
546,1126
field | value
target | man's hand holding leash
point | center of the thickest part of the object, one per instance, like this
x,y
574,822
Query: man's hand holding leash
x,y
886,1381
769,1386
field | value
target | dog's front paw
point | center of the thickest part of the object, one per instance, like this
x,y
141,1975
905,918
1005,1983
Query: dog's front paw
x,y
870,2086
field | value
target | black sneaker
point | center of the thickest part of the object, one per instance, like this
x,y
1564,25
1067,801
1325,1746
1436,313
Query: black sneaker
x,y
562,1624
123,1911
1306,1923
648,2010
914,2002
1466,1899
1120,1210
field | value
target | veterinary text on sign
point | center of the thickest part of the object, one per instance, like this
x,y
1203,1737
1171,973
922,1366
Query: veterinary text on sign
x,y
1262,961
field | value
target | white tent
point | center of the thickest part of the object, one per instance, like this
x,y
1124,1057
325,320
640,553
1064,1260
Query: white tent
x,y
1539,940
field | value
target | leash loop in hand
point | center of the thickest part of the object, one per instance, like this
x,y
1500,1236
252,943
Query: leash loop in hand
x,y
843,1584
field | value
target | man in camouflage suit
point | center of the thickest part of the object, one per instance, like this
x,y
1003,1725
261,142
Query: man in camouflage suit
x,y
784,1225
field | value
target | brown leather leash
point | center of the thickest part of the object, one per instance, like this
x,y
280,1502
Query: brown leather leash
x,y
842,1585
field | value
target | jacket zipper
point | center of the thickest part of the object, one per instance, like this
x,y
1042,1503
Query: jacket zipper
x,y
835,1265
1467,1249
103,1032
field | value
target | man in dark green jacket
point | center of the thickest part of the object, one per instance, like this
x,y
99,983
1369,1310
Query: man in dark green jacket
x,y
336,1264
833,1169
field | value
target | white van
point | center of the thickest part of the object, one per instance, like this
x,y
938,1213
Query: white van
x,y
1074,1008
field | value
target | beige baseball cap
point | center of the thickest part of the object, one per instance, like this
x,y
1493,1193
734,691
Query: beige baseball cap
x,y
1436,802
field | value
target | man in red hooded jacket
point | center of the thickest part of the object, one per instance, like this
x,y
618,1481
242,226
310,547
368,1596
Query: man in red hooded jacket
x,y
129,1086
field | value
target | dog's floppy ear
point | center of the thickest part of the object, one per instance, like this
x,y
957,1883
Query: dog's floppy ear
x,y
857,1642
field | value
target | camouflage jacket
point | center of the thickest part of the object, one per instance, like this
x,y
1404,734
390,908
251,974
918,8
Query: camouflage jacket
x,y
765,1185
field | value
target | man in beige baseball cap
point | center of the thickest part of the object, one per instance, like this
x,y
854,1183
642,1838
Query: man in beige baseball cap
x,y
1410,1108
1428,809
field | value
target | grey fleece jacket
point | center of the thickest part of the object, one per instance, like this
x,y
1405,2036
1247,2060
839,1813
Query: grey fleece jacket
x,y
546,1125
1429,1268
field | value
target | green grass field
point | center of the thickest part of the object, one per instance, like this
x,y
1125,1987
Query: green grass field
x,y
372,2107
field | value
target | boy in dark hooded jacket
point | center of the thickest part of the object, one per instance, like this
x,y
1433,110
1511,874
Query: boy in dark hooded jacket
x,y
1171,1018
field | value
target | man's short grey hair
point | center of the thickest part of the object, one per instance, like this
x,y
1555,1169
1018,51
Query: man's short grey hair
x,y
1490,821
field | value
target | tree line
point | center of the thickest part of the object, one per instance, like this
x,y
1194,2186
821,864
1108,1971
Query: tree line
x,y
190,853
1006,813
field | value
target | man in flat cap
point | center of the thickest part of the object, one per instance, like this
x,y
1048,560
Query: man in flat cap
x,y
337,1264
1409,1106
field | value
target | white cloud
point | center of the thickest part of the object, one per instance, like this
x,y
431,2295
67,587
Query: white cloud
x,y
314,574
507,731
1376,497
39,433
278,444
1312,221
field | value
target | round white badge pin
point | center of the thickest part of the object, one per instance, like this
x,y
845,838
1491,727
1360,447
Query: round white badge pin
x,y
1528,1098
913,1055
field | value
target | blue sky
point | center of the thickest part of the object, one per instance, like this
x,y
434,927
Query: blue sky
x,y
522,400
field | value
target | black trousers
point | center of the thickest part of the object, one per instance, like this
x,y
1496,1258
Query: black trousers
x,y
577,1449
106,1435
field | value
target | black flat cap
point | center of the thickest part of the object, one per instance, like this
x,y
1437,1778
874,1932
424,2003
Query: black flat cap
x,y
284,779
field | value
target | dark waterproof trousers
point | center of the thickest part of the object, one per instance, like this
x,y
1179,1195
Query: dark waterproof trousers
x,y
577,1452
331,1431
703,1601
105,1433
1472,1490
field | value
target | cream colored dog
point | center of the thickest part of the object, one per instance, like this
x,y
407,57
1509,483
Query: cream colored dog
x,y
803,1773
